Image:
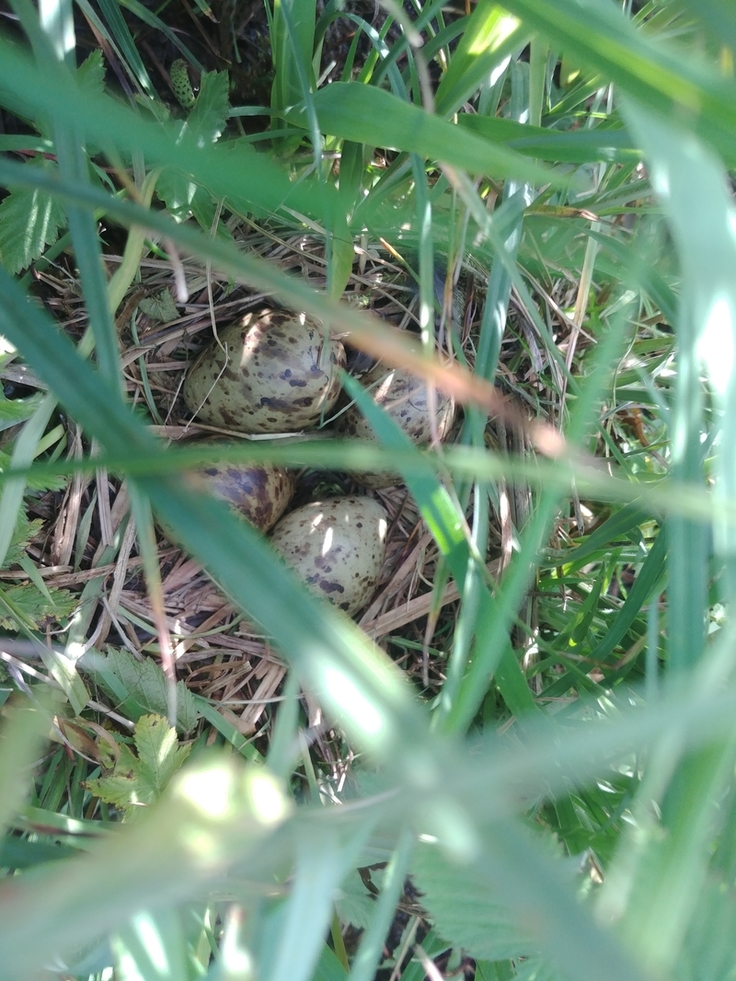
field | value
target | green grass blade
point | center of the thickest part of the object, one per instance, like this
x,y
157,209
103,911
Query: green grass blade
x,y
365,114
487,42
665,78
440,513
120,31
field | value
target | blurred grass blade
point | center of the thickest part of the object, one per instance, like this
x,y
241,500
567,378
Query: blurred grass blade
x,y
370,950
692,183
214,813
151,947
664,77
322,862
22,736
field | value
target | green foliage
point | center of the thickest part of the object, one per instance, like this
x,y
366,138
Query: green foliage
x,y
467,910
25,606
585,192
29,220
138,776
139,686
25,530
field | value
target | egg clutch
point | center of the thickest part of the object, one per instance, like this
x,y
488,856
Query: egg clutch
x,y
274,372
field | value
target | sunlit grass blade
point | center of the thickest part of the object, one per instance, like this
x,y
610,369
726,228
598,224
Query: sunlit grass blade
x,y
490,38
691,184
231,813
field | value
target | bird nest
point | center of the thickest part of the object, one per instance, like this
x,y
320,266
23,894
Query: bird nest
x,y
87,545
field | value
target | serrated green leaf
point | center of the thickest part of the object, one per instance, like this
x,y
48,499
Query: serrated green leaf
x,y
13,411
354,904
137,781
159,750
206,122
177,191
46,482
91,73
25,531
29,221
466,909
126,787
207,119
34,610
124,676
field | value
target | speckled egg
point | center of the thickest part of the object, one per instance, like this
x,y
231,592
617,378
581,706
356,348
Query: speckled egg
x,y
259,492
337,547
272,372
405,397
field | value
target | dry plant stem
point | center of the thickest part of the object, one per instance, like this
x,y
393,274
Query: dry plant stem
x,y
65,529
431,970
418,607
408,940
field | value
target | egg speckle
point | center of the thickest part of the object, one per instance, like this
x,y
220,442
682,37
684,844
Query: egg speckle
x,y
258,492
336,546
271,372
406,399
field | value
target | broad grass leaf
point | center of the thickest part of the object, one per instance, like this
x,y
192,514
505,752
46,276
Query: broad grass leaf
x,y
29,221
365,114
489,39
603,143
140,685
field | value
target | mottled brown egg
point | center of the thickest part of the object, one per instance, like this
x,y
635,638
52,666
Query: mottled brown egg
x,y
259,492
406,399
272,372
337,547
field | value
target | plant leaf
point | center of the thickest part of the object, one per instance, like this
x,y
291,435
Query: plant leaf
x,y
138,781
34,608
29,221
140,685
